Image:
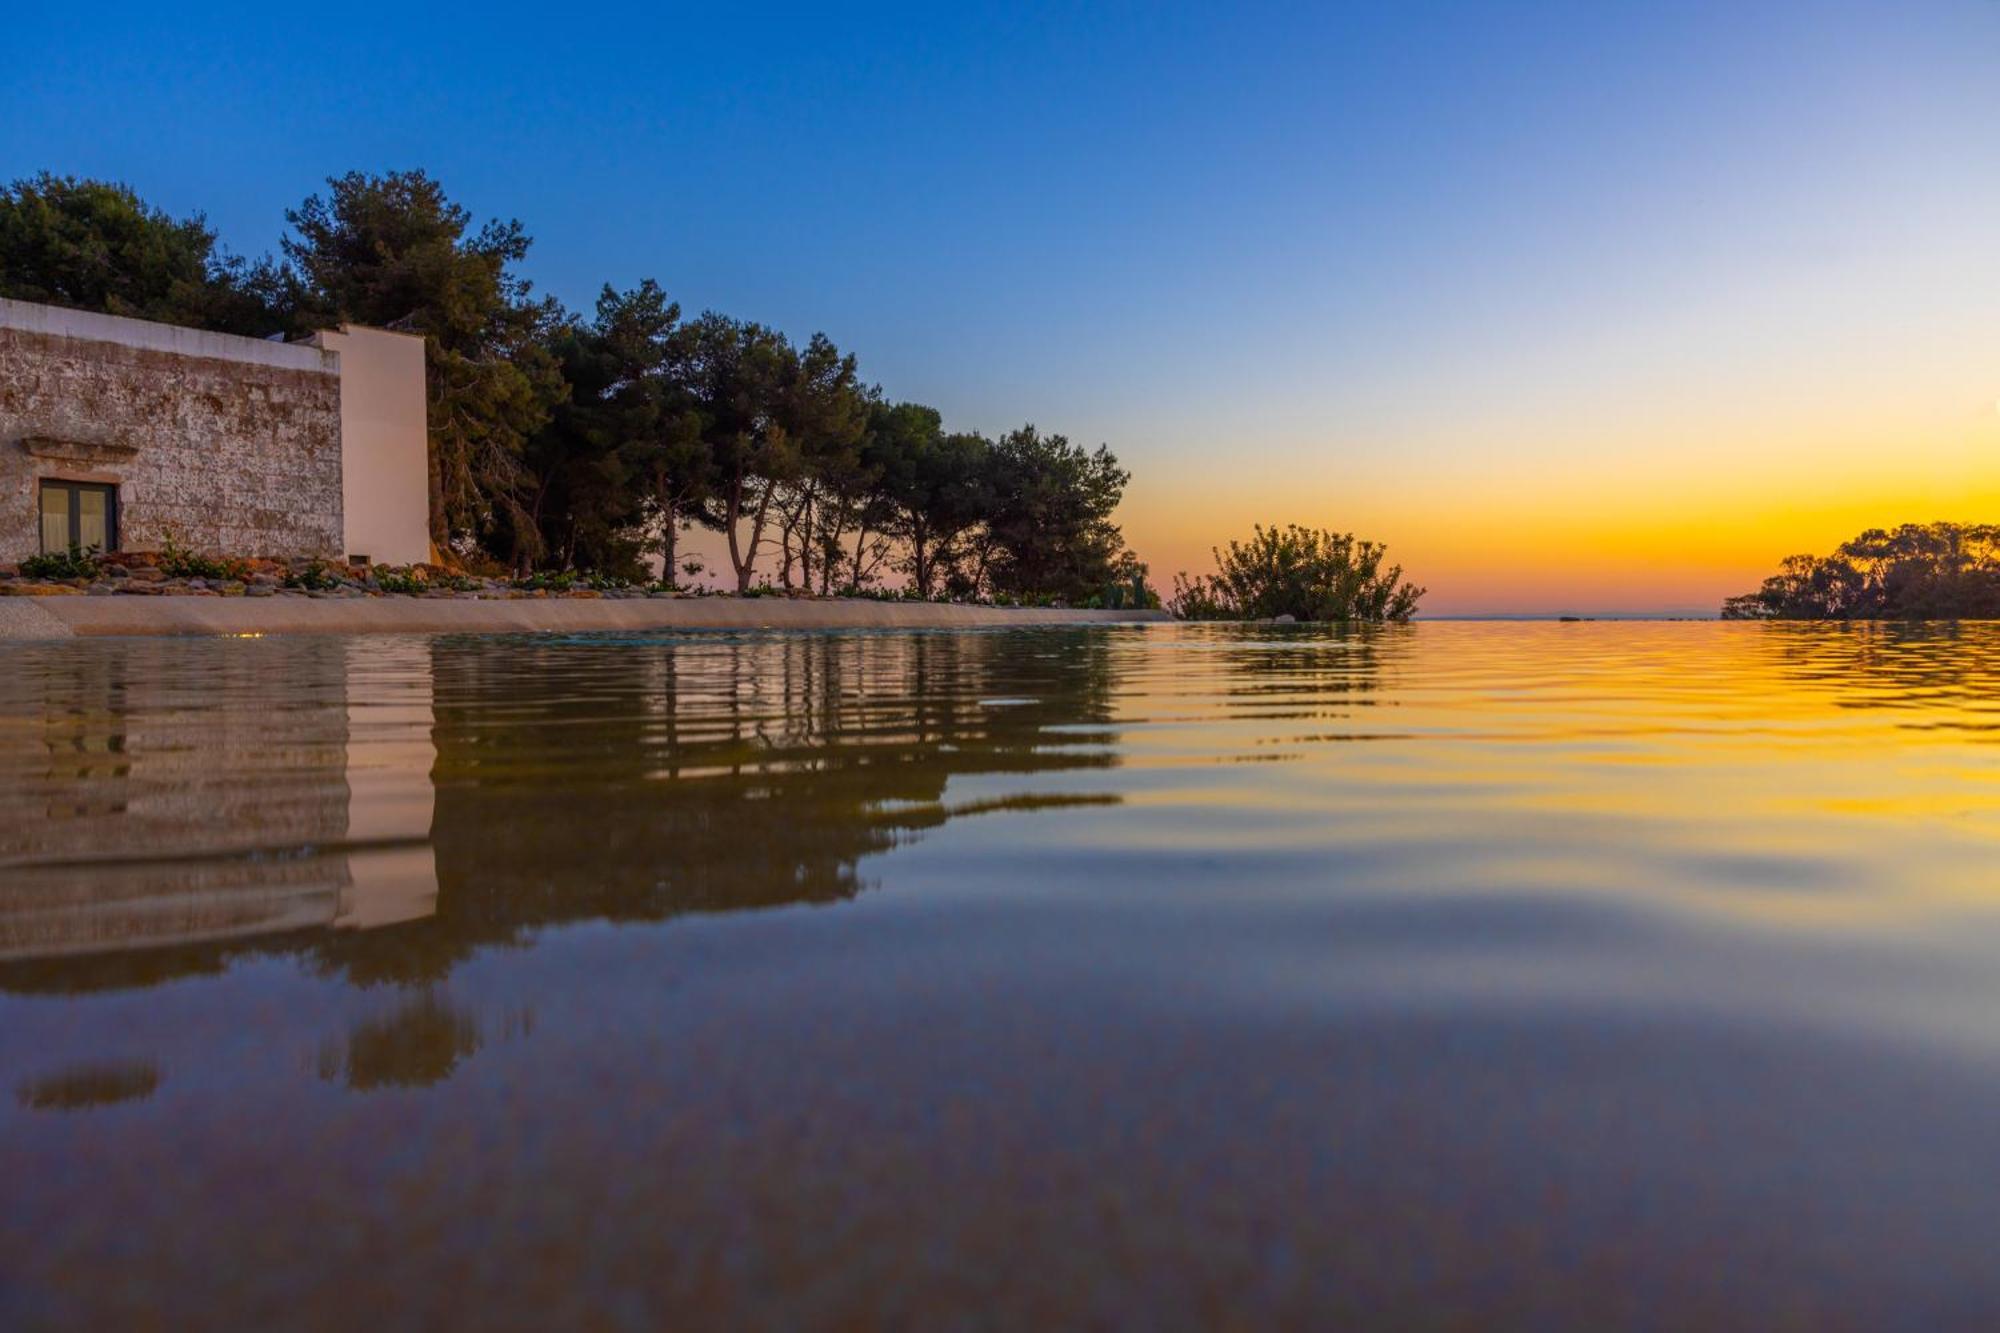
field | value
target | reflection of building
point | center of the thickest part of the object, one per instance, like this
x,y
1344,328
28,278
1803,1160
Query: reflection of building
x,y
121,434
478,790
176,793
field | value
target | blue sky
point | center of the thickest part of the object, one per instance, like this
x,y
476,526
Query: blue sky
x,y
1399,266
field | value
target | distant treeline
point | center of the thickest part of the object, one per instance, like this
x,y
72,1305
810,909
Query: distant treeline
x,y
560,441
1934,571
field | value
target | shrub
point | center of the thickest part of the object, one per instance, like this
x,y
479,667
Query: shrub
x,y
74,563
1305,573
563,580
315,577
408,582
181,562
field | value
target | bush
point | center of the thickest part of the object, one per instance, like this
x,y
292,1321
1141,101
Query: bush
x,y
315,577
180,562
563,580
1305,573
407,582
70,564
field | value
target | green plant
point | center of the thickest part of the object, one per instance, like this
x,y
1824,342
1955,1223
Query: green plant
x,y
315,577
407,582
1305,573
75,563
181,562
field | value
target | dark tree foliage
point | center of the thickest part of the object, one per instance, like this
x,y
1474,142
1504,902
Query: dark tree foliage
x,y
94,245
933,487
620,462
393,251
1304,573
1920,571
736,374
1048,517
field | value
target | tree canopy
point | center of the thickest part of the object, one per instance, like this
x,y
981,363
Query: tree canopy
x,y
95,245
393,251
1919,571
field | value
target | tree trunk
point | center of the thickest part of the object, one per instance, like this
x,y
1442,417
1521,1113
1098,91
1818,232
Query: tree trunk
x,y
920,564
748,562
670,531
860,543
732,514
805,541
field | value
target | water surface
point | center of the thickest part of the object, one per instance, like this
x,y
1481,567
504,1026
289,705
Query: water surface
x,y
1455,975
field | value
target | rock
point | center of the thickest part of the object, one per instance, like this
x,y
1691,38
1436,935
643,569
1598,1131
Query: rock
x,y
1285,620
196,585
230,588
36,590
106,589
260,590
147,574
117,572
263,580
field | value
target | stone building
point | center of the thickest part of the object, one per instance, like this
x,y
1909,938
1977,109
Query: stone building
x,y
125,435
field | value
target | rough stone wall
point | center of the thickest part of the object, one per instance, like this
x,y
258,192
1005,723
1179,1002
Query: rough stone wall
x,y
222,454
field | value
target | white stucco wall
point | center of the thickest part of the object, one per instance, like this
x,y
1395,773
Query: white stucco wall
x,y
385,472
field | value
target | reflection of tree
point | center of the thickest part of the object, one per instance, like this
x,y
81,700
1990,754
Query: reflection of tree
x,y
1888,664
419,1044
84,1086
639,782
628,781
1301,670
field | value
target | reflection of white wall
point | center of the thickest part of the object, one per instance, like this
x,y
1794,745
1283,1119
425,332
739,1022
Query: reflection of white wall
x,y
391,868
141,812
385,469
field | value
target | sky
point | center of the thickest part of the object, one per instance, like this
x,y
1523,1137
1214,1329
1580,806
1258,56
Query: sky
x,y
1578,307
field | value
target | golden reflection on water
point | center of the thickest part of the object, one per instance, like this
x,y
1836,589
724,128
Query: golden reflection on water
x,y
1127,926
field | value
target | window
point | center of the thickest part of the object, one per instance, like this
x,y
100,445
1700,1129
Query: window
x,y
77,515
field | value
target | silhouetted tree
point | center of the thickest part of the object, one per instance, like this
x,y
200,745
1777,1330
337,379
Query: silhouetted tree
x,y
1048,517
1934,571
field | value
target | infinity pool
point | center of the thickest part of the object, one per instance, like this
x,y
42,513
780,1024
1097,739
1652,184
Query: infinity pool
x,y
1455,976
